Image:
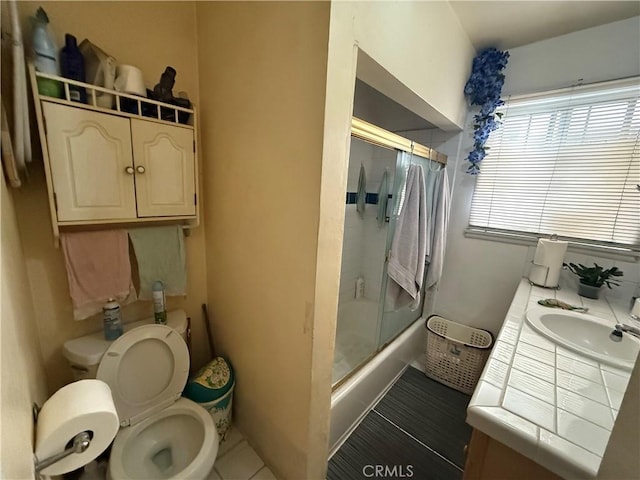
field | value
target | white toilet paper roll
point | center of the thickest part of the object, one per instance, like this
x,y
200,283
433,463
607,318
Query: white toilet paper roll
x,y
85,405
547,262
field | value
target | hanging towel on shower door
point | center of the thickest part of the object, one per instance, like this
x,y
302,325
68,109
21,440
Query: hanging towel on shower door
x,y
383,196
98,268
161,256
361,197
409,245
440,226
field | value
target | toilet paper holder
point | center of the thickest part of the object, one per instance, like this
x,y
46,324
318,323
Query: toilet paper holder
x,y
546,277
78,445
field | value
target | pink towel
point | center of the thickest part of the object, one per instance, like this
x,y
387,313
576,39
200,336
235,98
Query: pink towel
x,y
98,269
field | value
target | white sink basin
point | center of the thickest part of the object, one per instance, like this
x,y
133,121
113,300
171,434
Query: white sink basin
x,y
585,334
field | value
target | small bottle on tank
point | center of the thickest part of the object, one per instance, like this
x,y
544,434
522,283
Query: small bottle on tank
x,y
112,320
159,303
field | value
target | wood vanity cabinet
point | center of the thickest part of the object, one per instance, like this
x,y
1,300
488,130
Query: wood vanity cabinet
x,y
488,459
115,168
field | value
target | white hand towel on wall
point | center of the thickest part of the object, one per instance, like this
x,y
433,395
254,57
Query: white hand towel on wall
x,y
409,245
440,226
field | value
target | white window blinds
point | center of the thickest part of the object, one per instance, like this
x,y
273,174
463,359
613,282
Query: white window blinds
x,y
566,162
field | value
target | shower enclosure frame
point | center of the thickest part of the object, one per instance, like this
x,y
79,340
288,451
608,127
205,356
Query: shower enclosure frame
x,y
383,138
380,137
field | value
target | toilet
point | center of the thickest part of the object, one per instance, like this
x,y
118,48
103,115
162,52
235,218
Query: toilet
x,y
162,435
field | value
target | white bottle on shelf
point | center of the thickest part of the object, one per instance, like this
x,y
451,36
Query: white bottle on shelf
x,y
45,54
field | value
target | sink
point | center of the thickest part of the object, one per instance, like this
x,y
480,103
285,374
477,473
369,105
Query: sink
x,y
585,334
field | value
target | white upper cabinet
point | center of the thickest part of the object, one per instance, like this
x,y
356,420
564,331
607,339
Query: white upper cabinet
x,y
91,164
164,164
106,167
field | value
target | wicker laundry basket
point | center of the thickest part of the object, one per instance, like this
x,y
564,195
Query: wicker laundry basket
x,y
456,354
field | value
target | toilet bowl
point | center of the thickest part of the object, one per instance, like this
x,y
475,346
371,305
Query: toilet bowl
x,y
176,442
162,435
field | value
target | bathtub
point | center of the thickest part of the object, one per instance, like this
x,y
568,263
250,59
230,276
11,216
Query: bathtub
x,y
356,336
351,401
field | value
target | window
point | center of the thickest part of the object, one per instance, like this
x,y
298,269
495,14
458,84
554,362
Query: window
x,y
565,162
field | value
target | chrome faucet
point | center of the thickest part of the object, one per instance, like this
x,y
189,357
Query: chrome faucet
x,y
620,328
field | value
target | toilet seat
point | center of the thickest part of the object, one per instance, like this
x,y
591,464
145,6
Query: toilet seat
x,y
146,369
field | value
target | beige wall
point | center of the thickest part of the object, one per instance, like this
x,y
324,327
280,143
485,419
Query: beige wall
x,y
275,200
415,53
22,372
150,35
263,69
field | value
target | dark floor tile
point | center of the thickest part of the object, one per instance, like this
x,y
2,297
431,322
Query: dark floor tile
x,y
431,412
377,443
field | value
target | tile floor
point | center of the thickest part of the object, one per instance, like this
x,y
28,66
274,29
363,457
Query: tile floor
x,y
236,460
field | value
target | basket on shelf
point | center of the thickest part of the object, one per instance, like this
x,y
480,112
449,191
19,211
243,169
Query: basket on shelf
x,y
456,354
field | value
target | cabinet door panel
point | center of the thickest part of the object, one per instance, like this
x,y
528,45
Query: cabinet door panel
x,y
165,186
89,153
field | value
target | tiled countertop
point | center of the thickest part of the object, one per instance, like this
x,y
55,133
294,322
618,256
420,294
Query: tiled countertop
x,y
548,403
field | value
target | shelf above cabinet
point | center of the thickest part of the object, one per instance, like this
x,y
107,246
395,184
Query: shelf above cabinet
x,y
124,104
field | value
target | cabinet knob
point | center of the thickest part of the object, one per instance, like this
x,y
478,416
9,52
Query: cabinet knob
x,y
140,169
129,170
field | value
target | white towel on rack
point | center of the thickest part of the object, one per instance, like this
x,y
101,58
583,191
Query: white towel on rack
x,y
409,245
21,132
440,226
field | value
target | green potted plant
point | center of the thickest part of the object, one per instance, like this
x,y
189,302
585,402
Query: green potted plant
x,y
593,278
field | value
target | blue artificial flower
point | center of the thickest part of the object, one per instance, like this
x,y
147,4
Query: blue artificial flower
x,y
484,88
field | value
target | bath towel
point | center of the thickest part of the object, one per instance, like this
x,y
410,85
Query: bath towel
x,y
440,226
98,269
409,245
383,196
161,256
362,192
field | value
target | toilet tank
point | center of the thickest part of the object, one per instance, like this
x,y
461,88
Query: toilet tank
x,y
84,353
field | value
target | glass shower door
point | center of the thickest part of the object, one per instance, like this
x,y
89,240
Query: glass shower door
x,y
395,320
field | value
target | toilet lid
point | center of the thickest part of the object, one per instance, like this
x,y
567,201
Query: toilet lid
x,y
146,369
